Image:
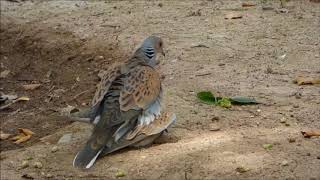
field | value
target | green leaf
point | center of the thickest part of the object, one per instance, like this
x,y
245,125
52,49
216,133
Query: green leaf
x,y
224,102
242,100
207,97
267,146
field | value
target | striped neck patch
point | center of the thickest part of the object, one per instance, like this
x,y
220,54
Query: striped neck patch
x,y
149,52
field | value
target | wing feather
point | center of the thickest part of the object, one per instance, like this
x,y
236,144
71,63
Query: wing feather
x,y
106,81
142,87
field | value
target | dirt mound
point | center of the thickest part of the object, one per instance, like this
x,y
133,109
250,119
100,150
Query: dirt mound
x,y
65,65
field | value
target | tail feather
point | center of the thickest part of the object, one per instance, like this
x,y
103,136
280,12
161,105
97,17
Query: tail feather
x,y
87,156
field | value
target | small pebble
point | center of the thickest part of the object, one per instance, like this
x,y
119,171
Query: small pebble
x,y
214,127
296,106
99,57
242,169
37,165
258,110
54,149
24,164
29,158
283,120
66,138
284,163
215,118
49,175
120,173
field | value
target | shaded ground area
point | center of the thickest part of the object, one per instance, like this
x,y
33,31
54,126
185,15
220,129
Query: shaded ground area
x,y
64,44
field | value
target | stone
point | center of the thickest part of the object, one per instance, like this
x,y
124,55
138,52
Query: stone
x,y
284,163
65,139
214,127
37,165
54,149
283,120
24,164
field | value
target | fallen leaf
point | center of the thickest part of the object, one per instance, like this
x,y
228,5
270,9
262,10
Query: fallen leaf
x,y
233,15
23,136
31,86
22,139
17,137
4,73
25,131
306,80
4,136
243,100
247,4
308,134
207,97
267,146
23,98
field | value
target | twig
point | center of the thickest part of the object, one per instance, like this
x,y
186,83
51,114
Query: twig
x,y
14,43
204,74
77,95
16,1
200,45
9,104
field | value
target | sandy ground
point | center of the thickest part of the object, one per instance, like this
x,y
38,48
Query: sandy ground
x,y
64,44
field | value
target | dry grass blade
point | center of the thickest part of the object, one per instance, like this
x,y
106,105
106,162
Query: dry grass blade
x,y
22,139
233,15
25,131
31,86
23,136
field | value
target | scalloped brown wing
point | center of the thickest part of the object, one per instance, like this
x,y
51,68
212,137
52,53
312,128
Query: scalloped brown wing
x,y
106,80
142,86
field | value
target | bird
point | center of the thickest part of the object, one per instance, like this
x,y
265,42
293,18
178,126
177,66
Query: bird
x,y
126,108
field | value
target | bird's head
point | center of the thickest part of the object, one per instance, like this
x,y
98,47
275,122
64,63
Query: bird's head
x,y
150,47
